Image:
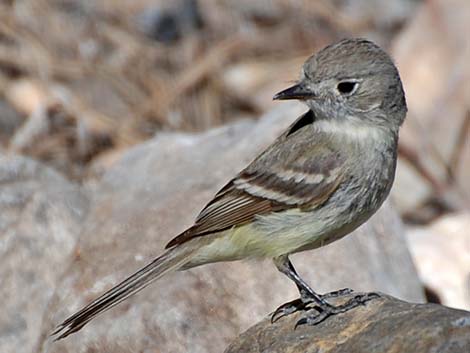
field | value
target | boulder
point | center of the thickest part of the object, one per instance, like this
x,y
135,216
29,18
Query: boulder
x,y
383,325
441,252
40,217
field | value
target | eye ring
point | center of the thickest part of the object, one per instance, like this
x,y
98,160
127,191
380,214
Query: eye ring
x,y
347,87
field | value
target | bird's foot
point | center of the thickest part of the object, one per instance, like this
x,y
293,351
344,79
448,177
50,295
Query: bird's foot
x,y
304,302
288,308
330,310
337,293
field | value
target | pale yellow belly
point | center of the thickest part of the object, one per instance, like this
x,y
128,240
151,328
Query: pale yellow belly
x,y
269,238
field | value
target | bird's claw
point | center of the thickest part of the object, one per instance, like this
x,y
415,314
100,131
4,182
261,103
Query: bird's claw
x,y
287,309
330,310
337,293
304,302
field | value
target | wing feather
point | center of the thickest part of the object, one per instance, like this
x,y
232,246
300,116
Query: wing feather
x,y
303,177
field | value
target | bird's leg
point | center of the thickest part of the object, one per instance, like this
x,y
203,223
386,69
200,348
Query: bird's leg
x,y
309,296
304,295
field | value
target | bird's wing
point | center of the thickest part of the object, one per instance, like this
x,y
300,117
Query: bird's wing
x,y
294,172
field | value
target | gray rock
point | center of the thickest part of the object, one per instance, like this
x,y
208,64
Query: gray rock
x,y
155,192
168,25
40,213
10,120
441,252
384,325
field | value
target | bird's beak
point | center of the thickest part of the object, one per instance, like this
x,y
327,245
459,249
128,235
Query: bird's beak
x,y
298,91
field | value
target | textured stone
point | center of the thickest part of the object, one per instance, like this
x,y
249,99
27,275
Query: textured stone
x,y
384,325
441,252
10,120
40,213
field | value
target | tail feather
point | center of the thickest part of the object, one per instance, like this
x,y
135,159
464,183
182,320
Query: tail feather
x,y
172,259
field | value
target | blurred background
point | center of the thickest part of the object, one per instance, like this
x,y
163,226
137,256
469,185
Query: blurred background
x,y
82,81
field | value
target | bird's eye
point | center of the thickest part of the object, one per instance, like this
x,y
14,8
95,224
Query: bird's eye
x,y
347,87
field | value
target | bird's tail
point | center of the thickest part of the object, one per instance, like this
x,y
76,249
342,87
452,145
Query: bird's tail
x,y
171,260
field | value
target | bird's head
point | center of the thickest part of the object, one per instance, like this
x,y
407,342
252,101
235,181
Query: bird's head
x,y
353,79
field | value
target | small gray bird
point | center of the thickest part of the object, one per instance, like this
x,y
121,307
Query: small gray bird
x,y
322,178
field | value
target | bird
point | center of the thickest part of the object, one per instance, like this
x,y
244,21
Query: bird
x,y
323,177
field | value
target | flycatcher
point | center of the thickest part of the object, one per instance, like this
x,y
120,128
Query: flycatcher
x,y
322,178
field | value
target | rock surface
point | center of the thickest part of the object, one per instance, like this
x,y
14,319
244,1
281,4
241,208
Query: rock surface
x,y
441,252
40,216
152,194
384,325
